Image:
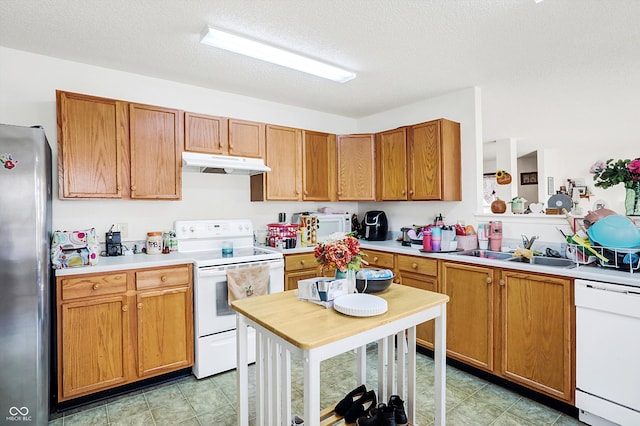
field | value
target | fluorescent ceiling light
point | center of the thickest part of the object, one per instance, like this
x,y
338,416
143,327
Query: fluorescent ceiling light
x,y
244,46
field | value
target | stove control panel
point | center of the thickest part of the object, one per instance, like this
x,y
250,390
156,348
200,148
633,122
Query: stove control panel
x,y
231,228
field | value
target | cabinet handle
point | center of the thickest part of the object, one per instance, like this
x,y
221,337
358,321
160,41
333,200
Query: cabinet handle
x,y
414,265
411,192
163,278
220,146
139,306
302,262
404,192
95,286
503,282
119,187
133,187
375,259
489,280
125,308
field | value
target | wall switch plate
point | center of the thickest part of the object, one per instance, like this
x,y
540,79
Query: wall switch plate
x,y
124,229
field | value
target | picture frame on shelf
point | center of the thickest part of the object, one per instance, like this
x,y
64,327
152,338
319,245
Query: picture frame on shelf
x,y
529,178
582,190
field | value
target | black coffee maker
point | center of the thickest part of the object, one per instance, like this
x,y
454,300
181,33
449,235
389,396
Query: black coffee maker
x,y
375,225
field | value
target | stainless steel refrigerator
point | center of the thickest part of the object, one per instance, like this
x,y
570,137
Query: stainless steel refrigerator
x,y
25,232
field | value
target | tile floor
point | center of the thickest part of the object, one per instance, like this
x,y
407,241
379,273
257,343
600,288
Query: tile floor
x,y
212,401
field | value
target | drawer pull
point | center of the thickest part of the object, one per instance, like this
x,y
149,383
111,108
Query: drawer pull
x,y
489,280
414,265
503,282
302,262
163,278
139,305
125,308
375,259
95,286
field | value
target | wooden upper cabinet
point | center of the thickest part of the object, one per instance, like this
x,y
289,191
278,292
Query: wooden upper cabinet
x,y
156,152
318,166
246,138
284,156
434,160
391,173
356,167
92,145
206,133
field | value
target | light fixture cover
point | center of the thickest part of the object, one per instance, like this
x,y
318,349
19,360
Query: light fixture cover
x,y
244,46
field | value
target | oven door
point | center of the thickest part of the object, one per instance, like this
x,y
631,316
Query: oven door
x,y
212,310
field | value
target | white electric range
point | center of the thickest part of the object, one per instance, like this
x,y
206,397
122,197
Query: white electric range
x,y
217,247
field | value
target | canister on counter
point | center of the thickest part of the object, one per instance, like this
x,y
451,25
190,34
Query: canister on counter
x,y
154,242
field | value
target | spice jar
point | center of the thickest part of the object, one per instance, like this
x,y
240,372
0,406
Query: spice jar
x,y
154,242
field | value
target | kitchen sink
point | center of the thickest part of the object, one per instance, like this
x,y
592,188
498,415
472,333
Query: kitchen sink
x,y
487,254
546,261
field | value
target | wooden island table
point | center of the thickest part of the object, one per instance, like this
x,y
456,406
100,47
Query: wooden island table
x,y
285,325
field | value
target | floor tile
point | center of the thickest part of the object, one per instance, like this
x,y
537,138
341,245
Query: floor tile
x,y
92,417
213,400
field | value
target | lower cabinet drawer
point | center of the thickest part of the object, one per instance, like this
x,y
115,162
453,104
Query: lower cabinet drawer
x,y
419,265
297,262
92,285
165,277
378,259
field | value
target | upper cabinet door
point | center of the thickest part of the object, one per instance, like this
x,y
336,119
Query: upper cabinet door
x,y
246,138
156,150
92,133
284,156
205,133
434,161
356,167
318,166
391,149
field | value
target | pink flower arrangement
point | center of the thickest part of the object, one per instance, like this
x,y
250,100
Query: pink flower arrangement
x,y
340,251
611,173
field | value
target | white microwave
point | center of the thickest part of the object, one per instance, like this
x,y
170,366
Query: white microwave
x,y
329,223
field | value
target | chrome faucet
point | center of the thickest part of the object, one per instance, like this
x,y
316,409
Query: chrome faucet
x,y
528,242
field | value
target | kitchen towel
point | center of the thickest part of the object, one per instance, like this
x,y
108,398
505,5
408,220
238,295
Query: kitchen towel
x,y
247,282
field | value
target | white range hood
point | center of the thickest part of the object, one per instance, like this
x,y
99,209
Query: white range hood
x,y
210,163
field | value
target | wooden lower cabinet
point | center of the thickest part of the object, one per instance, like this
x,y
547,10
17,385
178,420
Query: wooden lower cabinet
x,y
470,313
93,345
537,325
419,272
111,332
516,325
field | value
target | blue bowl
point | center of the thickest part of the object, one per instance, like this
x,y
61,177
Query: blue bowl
x,y
615,231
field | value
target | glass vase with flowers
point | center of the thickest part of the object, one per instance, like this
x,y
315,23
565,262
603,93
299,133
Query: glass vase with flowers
x,y
342,253
626,172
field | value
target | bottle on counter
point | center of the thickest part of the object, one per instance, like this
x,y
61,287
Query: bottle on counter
x,y
154,242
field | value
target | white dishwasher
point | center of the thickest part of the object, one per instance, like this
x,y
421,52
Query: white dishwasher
x,y
607,353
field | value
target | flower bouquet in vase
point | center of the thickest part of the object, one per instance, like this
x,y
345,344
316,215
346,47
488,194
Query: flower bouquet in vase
x,y
611,173
341,252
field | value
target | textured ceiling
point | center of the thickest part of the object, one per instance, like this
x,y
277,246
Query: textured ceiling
x,y
517,51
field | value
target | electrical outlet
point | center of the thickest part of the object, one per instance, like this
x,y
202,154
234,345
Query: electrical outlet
x,y
124,229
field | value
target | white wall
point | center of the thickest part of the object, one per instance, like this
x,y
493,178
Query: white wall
x,y
28,83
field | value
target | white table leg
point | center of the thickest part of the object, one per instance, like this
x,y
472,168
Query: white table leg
x,y
411,375
311,388
242,373
391,368
382,353
361,374
286,384
261,355
400,350
439,357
